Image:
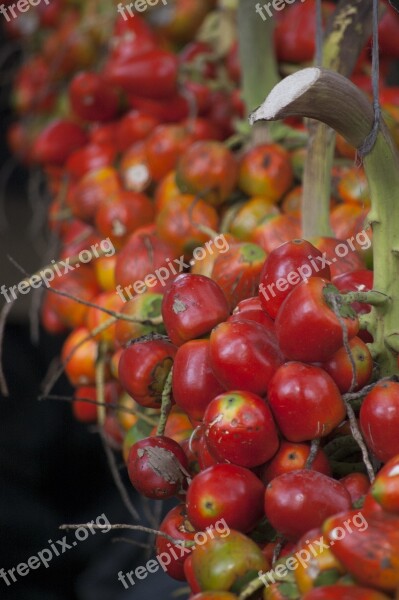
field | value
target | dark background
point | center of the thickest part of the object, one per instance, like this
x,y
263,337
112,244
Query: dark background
x,y
52,469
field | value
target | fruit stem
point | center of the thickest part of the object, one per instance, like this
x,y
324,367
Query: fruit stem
x,y
257,58
311,93
347,31
166,404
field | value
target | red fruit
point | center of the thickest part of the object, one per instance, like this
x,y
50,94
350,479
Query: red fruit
x,y
207,169
307,328
244,356
157,467
91,98
91,157
143,370
227,492
194,383
339,366
145,262
357,485
192,306
305,402
151,75
299,501
285,268
379,420
57,141
177,526
240,429
291,457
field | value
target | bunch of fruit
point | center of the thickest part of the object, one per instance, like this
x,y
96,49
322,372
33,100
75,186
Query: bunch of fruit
x,y
219,351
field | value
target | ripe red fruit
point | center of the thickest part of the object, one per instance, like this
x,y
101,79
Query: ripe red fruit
x,y
299,501
286,267
227,492
177,526
307,328
244,356
339,366
240,429
379,420
192,306
143,370
291,457
305,402
157,467
57,141
194,384
91,98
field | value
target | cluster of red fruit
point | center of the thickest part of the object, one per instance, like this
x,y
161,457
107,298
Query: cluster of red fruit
x,y
218,379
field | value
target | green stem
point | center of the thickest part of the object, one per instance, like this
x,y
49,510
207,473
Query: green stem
x,y
347,31
257,57
374,298
334,100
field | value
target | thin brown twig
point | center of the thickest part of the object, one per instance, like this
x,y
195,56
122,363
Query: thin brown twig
x,y
117,478
116,526
349,409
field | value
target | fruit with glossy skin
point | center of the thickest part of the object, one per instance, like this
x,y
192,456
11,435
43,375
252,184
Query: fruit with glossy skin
x,y
226,561
225,491
240,429
305,402
286,267
339,366
244,355
238,270
379,420
367,546
307,328
291,457
176,525
157,467
357,484
194,384
143,370
385,489
301,500
322,564
192,306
